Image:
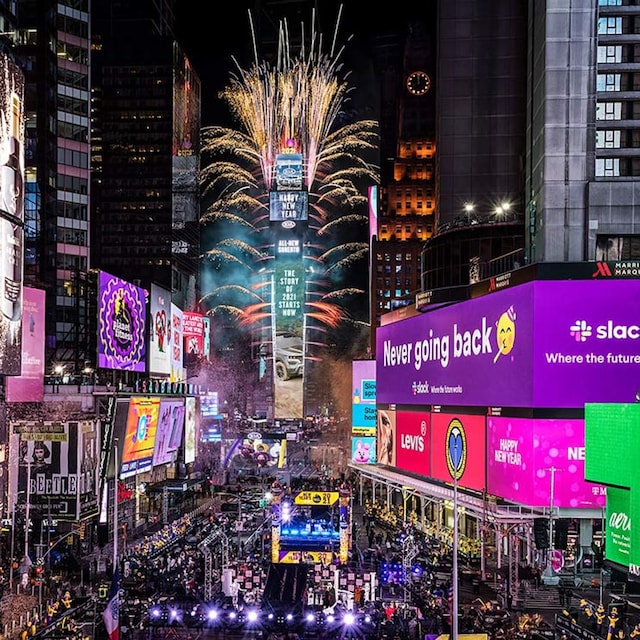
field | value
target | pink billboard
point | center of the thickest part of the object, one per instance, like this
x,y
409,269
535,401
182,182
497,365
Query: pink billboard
x,y
193,335
29,385
413,435
521,453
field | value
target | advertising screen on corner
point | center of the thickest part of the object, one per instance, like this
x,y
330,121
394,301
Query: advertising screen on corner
x,y
140,435
413,437
539,344
521,452
122,317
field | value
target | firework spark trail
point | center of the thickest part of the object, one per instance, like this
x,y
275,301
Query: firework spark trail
x,y
230,287
300,97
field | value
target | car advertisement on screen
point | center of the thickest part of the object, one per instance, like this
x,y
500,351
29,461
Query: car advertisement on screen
x,y
159,331
413,440
140,435
539,344
289,173
458,445
521,453
122,317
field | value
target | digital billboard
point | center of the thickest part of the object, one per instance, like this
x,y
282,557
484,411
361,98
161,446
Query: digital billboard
x,y
255,450
413,441
311,526
618,543
539,344
521,453
289,173
29,385
288,205
458,443
122,317
159,331
193,334
190,429
612,437
11,215
289,293
169,431
140,435
56,466
363,449
176,341
363,405
386,437
185,153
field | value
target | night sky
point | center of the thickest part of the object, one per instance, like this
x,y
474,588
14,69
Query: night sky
x,y
211,43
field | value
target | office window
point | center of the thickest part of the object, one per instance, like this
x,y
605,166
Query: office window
x,y
398,206
610,3
609,139
408,257
608,82
407,229
610,25
617,248
609,111
609,54
607,167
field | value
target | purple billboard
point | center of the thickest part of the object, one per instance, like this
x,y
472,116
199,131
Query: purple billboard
x,y
521,453
540,344
122,316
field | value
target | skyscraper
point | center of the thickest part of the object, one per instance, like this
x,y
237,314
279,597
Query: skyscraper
x,y
145,146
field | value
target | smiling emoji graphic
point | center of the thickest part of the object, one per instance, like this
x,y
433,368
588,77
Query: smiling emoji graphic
x,y
506,332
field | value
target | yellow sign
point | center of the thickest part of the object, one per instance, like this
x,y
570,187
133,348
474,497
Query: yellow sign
x,y
316,498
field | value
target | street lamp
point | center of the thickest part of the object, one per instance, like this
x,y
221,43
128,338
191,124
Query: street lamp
x,y
454,565
552,470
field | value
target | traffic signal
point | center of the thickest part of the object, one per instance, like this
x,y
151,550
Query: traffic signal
x,y
541,533
561,534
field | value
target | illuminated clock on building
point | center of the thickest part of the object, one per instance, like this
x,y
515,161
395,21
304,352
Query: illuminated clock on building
x,y
418,83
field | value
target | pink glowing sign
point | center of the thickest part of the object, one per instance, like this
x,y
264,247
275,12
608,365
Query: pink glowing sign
x,y
521,453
